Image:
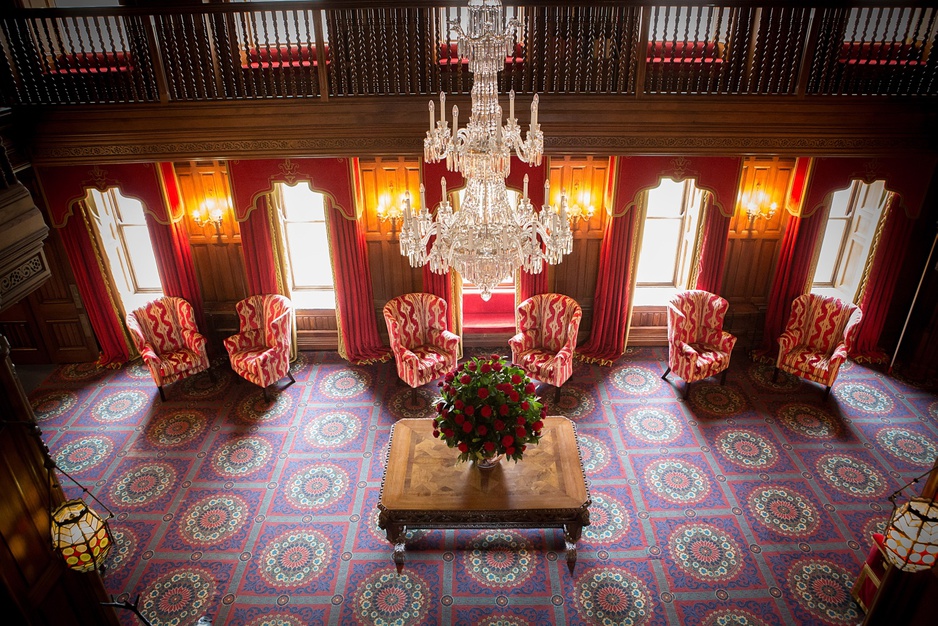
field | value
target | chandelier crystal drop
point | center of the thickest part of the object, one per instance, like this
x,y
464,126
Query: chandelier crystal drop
x,y
485,240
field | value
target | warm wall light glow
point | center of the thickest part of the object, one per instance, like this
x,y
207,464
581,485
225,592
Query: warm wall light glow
x,y
757,205
211,211
579,205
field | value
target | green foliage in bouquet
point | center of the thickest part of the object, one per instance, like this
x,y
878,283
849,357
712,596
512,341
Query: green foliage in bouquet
x,y
488,407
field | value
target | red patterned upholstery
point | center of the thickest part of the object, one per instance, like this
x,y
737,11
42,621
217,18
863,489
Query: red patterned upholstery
x,y
423,349
167,338
548,324
816,339
698,347
260,353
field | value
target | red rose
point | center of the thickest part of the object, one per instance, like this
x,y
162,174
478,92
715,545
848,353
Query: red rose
x,y
499,425
495,357
523,448
449,377
488,446
509,451
472,366
459,404
459,418
467,427
465,379
538,425
486,368
503,410
481,429
515,379
463,447
513,396
486,411
469,409
525,406
529,388
520,432
439,384
507,440
436,433
449,432
439,408
483,392
521,419
543,411
497,367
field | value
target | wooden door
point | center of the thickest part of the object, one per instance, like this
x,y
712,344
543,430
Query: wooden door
x,y
51,325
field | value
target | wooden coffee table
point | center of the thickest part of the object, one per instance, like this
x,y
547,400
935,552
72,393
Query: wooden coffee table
x,y
425,487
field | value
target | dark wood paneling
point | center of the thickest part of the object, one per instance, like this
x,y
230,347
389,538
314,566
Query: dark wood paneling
x,y
649,326
317,330
37,587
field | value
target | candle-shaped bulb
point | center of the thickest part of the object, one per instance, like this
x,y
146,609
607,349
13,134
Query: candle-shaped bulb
x,y
534,112
423,196
455,120
442,106
432,116
525,194
443,186
511,104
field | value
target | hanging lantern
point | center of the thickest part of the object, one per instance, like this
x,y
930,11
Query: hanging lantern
x,y
80,535
912,535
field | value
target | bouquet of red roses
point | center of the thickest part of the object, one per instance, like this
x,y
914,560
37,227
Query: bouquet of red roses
x,y
488,408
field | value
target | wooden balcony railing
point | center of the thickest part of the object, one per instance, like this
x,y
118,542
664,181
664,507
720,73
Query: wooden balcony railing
x,y
338,49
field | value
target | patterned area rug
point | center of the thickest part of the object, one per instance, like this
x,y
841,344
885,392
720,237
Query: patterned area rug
x,y
751,503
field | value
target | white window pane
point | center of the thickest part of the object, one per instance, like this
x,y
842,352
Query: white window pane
x,y
830,250
131,209
146,274
309,254
659,251
840,202
301,203
666,200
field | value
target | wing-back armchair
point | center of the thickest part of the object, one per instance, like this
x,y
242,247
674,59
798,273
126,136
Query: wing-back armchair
x,y
423,349
698,347
167,338
547,325
260,352
819,332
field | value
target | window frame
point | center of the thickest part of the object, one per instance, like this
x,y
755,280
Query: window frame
x,y
320,293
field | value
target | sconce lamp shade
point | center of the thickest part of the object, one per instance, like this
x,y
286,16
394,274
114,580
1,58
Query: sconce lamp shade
x,y
912,535
80,535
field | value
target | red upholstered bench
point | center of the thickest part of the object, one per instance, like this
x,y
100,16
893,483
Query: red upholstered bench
x,y
274,57
497,316
871,574
680,52
77,63
883,53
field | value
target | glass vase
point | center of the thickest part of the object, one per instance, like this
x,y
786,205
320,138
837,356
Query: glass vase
x,y
488,462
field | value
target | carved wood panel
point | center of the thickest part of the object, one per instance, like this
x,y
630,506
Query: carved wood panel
x,y
583,179
383,184
219,262
753,245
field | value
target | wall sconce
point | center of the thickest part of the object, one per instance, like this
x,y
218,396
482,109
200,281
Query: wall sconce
x,y
758,205
211,211
388,210
79,533
579,207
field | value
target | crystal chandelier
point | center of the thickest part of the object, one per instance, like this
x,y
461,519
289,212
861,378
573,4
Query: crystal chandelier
x,y
485,240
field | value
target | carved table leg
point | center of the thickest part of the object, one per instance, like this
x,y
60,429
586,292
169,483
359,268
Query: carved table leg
x,y
397,534
571,534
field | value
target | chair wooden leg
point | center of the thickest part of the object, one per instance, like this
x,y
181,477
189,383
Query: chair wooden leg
x,y
413,395
666,372
266,394
162,395
686,390
557,395
290,374
723,377
827,392
775,376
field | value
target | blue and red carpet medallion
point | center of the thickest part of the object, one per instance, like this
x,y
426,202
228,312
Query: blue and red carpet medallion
x,y
749,504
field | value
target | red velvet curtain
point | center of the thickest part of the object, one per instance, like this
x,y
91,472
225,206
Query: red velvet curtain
x,y
358,329
532,284
791,276
613,289
258,251
174,262
108,328
881,284
713,248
